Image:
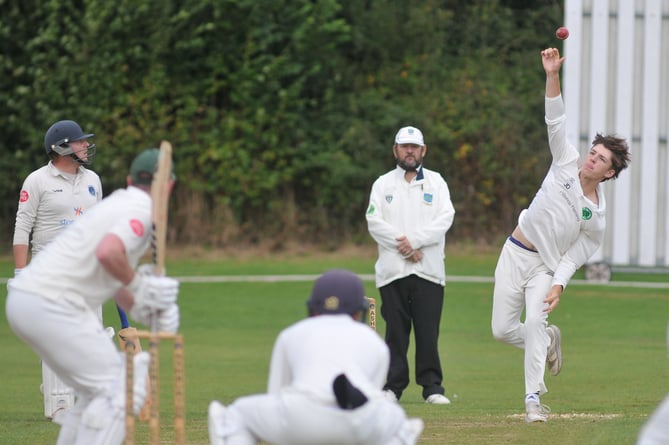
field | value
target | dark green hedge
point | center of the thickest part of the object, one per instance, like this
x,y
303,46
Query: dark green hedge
x,y
282,112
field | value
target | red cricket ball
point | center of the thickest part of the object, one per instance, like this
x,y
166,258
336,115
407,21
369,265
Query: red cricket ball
x,y
562,33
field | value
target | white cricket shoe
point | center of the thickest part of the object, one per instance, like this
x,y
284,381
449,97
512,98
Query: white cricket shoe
x,y
390,395
216,415
554,356
437,399
536,412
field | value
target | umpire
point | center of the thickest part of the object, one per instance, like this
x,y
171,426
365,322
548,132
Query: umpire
x,y
409,213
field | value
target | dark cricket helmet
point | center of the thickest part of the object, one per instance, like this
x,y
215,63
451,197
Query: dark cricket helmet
x,y
58,137
338,291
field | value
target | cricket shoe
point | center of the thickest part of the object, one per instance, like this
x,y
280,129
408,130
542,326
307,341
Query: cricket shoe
x,y
216,419
536,412
437,399
554,356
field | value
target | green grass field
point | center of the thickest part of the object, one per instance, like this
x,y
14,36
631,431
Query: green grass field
x,y
614,343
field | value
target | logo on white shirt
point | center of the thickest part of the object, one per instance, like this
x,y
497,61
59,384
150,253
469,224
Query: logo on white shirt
x,y
137,227
587,213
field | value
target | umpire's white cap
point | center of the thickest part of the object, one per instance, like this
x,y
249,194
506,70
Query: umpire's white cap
x,y
409,135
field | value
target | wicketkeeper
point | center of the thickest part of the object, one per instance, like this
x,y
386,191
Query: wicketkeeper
x,y
325,383
51,198
51,305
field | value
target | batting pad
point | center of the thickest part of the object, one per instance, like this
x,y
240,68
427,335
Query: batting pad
x,y
58,397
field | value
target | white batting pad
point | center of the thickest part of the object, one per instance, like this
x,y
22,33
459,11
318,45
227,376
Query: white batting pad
x,y
58,397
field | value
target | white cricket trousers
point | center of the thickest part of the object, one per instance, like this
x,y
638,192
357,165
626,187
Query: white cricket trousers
x,y
293,418
71,340
522,281
656,429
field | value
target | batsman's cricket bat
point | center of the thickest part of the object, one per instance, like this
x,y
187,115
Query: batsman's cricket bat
x,y
160,192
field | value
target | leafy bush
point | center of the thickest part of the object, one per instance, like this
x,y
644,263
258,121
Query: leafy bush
x,y
282,113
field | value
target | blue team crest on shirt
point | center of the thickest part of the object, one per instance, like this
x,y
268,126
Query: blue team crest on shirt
x,y
389,198
427,198
91,190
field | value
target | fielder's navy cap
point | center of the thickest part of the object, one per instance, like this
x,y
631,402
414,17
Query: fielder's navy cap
x,y
337,291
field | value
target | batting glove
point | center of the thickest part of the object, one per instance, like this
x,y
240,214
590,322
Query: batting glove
x,y
153,292
148,269
168,320
141,315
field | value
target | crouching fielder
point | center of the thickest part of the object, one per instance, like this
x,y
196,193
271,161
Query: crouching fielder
x,y
325,384
51,306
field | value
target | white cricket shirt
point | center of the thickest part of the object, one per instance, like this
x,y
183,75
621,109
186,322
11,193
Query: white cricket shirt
x,y
67,268
565,226
308,355
51,200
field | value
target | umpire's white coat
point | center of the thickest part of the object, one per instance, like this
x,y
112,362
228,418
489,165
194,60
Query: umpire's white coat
x,y
420,210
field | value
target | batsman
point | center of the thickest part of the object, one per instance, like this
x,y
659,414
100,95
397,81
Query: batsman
x,y
51,305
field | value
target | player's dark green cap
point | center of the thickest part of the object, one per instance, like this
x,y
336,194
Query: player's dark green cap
x,y
144,166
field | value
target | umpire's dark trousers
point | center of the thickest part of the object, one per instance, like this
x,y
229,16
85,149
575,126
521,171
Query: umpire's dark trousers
x,y
413,301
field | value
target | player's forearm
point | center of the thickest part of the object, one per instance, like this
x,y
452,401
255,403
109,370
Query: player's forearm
x,y
20,256
433,233
111,255
553,84
383,233
124,299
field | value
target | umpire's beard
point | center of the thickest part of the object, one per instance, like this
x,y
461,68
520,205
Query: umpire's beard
x,y
410,166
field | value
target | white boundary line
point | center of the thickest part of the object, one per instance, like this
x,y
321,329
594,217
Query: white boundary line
x,y
370,277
